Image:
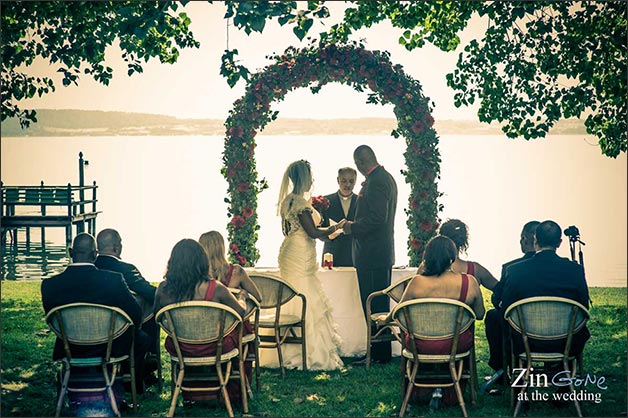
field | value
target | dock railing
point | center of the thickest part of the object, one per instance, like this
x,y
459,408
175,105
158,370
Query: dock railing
x,y
47,206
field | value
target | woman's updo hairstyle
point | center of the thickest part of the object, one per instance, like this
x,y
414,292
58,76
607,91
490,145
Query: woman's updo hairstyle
x,y
440,253
458,232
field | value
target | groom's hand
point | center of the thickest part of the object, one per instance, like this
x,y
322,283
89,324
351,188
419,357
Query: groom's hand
x,y
347,227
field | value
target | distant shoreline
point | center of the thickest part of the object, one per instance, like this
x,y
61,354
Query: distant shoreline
x,y
68,123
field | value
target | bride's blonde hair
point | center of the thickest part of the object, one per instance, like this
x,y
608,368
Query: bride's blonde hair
x,y
299,175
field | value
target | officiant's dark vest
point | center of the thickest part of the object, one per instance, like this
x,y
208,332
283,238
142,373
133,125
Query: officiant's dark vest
x,y
341,246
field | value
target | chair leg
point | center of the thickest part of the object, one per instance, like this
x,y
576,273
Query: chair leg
x,y
304,348
279,353
257,371
368,345
571,386
177,389
524,390
473,377
243,387
411,378
109,382
223,388
455,376
133,385
64,389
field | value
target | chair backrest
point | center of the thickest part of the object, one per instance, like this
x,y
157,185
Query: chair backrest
x,y
275,291
547,317
252,304
147,308
395,290
197,322
433,318
88,323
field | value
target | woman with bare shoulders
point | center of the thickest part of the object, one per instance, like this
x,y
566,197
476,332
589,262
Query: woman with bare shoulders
x,y
458,232
438,280
231,275
298,266
187,279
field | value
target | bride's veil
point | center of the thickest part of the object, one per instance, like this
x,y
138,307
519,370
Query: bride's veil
x,y
299,175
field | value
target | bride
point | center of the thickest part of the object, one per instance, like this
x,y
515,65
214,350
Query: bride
x,y
298,266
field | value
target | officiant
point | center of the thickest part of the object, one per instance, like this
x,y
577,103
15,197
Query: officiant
x,y
342,205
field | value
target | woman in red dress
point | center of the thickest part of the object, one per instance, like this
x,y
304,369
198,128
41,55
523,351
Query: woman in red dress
x,y
187,279
438,280
458,232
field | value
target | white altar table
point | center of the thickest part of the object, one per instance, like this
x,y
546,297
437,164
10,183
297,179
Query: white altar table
x,y
341,286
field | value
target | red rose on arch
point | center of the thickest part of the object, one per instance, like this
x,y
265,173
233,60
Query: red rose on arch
x,y
414,203
247,212
239,165
237,221
416,244
243,187
241,259
231,172
417,127
234,248
426,226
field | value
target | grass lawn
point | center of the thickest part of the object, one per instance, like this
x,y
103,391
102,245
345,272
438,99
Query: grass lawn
x,y
28,373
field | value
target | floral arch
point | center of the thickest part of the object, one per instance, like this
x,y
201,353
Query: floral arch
x,y
314,67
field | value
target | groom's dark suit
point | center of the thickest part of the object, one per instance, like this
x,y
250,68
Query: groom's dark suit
x,y
373,243
341,246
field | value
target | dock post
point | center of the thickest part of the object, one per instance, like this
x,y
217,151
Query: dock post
x,y
43,213
81,181
68,227
28,237
94,208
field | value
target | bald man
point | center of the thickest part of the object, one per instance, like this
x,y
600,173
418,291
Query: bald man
x,y
373,237
109,252
81,281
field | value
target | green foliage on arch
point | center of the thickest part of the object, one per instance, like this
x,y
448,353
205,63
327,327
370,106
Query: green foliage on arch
x,y
313,67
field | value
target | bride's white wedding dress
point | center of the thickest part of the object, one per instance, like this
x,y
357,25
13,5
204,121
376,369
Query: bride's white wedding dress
x,y
298,266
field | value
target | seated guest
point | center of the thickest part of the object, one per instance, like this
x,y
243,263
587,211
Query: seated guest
x,y
109,251
187,279
547,274
231,275
459,234
494,321
342,205
81,281
437,280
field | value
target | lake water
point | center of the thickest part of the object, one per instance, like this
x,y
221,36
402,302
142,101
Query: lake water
x,y
158,190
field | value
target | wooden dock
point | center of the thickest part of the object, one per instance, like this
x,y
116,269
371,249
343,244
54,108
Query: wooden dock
x,y
46,206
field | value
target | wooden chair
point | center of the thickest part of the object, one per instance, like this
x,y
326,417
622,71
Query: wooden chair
x,y
203,322
251,314
91,324
275,294
546,318
386,332
147,315
436,319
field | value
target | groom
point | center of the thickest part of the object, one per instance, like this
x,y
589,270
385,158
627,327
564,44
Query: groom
x,y
373,232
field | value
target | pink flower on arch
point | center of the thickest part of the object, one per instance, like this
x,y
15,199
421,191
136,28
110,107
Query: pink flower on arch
x,y
237,221
247,211
243,187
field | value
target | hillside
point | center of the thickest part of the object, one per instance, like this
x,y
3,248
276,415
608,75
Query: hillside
x,y
100,123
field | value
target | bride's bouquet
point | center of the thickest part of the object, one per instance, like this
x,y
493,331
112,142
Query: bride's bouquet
x,y
320,203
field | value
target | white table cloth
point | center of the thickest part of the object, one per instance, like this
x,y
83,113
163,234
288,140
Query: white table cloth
x,y
341,286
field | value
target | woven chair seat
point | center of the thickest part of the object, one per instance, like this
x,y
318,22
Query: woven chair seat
x,y
248,338
206,360
436,358
284,320
545,356
93,361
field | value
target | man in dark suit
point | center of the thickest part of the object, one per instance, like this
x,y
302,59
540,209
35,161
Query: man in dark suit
x,y
342,205
494,321
109,251
83,282
373,236
547,274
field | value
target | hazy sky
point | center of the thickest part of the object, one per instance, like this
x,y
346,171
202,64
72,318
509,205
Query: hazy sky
x,y
193,87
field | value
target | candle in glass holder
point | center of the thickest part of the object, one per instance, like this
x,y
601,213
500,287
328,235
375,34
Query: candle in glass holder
x,y
328,260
